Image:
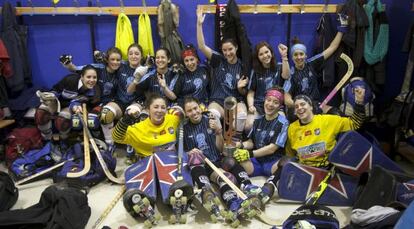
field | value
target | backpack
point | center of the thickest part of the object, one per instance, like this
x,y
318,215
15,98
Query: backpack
x,y
21,140
8,192
348,97
95,174
38,160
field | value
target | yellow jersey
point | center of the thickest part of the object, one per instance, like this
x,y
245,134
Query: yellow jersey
x,y
146,138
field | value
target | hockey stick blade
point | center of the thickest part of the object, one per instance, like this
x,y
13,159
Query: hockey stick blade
x,y
29,178
100,158
342,82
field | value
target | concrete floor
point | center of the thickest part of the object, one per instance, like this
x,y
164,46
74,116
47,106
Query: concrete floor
x,y
101,195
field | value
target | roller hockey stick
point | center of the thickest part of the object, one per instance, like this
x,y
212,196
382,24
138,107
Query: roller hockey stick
x,y
260,214
314,197
100,158
86,151
109,208
180,191
342,82
29,178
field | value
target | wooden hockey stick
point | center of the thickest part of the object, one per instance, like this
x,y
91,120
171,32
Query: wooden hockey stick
x,y
100,158
109,208
24,180
264,218
86,151
342,82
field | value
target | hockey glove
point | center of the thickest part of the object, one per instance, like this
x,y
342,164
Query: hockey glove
x,y
343,23
242,155
65,59
139,73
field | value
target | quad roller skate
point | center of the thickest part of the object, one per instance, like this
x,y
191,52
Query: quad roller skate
x,y
211,203
179,203
137,204
240,208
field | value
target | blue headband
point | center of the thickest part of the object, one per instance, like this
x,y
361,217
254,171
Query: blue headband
x,y
296,47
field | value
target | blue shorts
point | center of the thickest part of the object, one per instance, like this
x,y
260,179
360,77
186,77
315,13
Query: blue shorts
x,y
264,167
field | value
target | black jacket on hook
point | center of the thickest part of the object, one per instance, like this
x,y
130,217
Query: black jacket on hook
x,y
14,37
354,38
234,29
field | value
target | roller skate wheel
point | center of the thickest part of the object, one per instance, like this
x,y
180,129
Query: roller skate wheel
x,y
184,200
147,224
213,218
208,206
229,215
245,203
136,198
173,200
146,202
235,224
137,208
178,193
157,218
183,219
216,201
172,219
223,213
251,213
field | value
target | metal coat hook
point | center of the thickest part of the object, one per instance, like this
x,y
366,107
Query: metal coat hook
x,y
99,5
302,6
54,4
325,8
76,5
144,4
279,7
121,3
255,6
30,4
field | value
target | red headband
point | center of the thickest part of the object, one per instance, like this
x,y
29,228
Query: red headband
x,y
277,94
188,52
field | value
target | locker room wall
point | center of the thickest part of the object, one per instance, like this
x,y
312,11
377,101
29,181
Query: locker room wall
x,y
50,36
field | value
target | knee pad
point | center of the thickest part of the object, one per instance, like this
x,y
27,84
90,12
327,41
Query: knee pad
x,y
216,113
107,115
63,122
42,116
76,122
228,163
195,159
93,121
241,121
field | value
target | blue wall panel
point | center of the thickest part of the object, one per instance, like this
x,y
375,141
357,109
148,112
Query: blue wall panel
x,y
51,36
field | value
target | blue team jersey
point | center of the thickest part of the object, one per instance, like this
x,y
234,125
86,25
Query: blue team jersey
x,y
224,79
194,84
202,137
265,132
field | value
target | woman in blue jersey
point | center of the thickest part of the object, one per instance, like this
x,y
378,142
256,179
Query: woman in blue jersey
x,y
266,74
305,75
69,93
227,79
259,155
162,80
108,81
194,79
